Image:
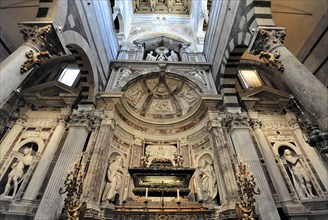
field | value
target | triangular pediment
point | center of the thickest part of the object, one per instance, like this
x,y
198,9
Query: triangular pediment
x,y
264,96
52,93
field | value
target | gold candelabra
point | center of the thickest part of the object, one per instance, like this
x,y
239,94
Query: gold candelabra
x,y
73,188
247,189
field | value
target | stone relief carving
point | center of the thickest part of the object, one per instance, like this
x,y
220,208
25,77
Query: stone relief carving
x,y
16,175
162,105
198,74
298,175
114,179
133,94
160,152
208,180
189,95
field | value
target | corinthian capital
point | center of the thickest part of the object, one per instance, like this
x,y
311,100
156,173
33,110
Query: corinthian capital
x,y
42,36
267,38
236,120
256,123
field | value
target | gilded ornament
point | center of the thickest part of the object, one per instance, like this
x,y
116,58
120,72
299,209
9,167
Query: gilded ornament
x,y
272,60
34,59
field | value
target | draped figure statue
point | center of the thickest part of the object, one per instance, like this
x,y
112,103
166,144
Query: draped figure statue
x,y
208,180
114,179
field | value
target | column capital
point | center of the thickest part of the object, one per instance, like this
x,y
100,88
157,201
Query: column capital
x,y
266,39
108,119
138,141
82,117
256,123
183,141
214,123
233,120
41,36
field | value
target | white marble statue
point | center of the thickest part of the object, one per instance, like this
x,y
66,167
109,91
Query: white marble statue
x,y
17,171
300,178
208,180
173,56
150,56
114,179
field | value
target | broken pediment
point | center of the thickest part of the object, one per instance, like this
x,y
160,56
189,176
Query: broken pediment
x,y
52,93
264,97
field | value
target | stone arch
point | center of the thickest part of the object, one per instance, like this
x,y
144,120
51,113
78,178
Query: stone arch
x,y
83,55
38,141
258,14
279,144
229,68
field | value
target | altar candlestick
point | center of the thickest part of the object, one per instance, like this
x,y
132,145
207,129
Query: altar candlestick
x,y
146,193
178,195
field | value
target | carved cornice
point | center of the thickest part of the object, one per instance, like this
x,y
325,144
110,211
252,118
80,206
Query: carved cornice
x,y
267,38
41,36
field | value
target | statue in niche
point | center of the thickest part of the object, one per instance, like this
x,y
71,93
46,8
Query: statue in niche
x,y
150,56
173,56
208,180
114,179
16,175
299,176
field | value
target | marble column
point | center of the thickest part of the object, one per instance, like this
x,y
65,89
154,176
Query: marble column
x,y
45,162
97,169
10,138
244,147
52,202
38,37
228,186
277,179
308,90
